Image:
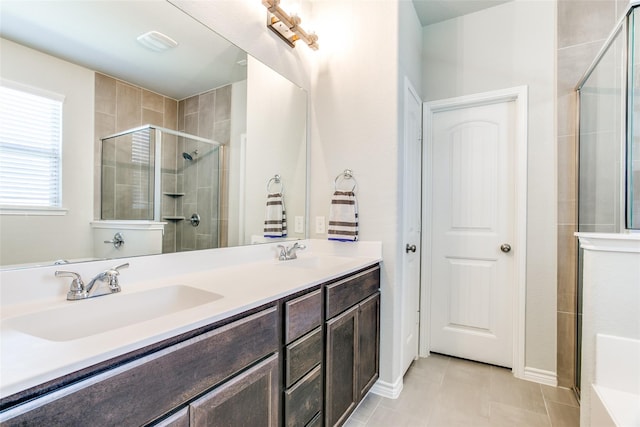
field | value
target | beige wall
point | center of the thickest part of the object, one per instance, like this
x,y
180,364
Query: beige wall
x,y
46,238
583,26
354,125
495,49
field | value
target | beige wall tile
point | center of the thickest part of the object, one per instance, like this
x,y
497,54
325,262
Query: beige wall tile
x,y
152,101
152,117
567,113
181,115
223,104
573,62
584,21
222,132
567,179
128,106
105,96
170,114
191,123
566,349
567,268
206,114
191,105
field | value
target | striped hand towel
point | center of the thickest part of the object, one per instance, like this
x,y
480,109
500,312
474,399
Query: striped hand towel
x,y
275,220
343,217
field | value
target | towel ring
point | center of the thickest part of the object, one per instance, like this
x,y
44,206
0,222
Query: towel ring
x,y
275,180
346,175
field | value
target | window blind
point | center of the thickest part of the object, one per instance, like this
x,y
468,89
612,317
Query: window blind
x,y
30,149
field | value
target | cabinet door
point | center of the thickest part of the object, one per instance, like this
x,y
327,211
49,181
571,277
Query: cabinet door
x,y
249,399
341,354
368,343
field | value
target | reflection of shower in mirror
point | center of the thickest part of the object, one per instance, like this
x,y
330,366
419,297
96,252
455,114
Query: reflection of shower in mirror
x,y
190,156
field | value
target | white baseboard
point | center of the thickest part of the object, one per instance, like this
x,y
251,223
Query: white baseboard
x,y
388,390
540,376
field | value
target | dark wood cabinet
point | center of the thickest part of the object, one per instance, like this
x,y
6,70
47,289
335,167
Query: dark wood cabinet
x,y
341,395
248,399
303,351
304,400
352,343
368,343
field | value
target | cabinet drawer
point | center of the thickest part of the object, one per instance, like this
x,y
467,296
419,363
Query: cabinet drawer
x,y
350,291
302,356
302,315
304,400
158,382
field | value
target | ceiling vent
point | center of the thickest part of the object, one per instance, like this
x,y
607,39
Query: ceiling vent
x,y
156,41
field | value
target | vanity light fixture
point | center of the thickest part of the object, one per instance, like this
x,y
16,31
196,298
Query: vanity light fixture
x,y
156,41
287,27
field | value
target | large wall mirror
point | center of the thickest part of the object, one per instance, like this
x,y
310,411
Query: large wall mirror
x,y
172,150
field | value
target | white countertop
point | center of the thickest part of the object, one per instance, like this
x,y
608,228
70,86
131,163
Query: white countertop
x,y
245,278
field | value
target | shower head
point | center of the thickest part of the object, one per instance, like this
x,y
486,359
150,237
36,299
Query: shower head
x,y
191,155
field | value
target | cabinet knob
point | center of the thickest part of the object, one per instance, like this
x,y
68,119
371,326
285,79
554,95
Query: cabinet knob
x,y
410,248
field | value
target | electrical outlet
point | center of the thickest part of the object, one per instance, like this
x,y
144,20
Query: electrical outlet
x,y
320,225
299,224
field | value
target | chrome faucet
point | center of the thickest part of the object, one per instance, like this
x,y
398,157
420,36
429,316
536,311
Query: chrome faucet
x,y
290,252
78,290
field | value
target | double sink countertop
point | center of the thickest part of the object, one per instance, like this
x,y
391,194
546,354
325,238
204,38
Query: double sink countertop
x,y
43,336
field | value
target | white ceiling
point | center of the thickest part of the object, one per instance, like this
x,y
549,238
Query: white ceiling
x,y
432,11
101,35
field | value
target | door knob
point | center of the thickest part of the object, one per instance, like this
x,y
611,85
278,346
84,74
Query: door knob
x,y
505,247
410,248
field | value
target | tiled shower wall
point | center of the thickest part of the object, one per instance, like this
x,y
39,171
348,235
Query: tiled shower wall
x,y
207,115
583,26
120,106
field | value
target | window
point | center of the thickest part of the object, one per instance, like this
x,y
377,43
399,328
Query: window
x,y
30,147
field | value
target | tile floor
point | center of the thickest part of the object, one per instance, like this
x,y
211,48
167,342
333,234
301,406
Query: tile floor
x,y
442,391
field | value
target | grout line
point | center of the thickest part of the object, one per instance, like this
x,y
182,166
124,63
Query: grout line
x,y
546,408
581,44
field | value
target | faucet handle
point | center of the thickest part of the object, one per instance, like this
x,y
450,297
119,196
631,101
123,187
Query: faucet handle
x,y
117,268
113,273
77,289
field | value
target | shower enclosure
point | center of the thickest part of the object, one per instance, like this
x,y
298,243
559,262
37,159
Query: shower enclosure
x,y
609,145
157,174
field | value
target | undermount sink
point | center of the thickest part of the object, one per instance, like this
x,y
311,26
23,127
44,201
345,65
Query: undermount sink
x,y
80,319
315,262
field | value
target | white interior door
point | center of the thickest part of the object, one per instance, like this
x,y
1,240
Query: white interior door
x,y
473,217
411,225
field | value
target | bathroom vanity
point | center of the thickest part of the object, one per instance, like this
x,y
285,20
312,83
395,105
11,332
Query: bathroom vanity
x,y
286,343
